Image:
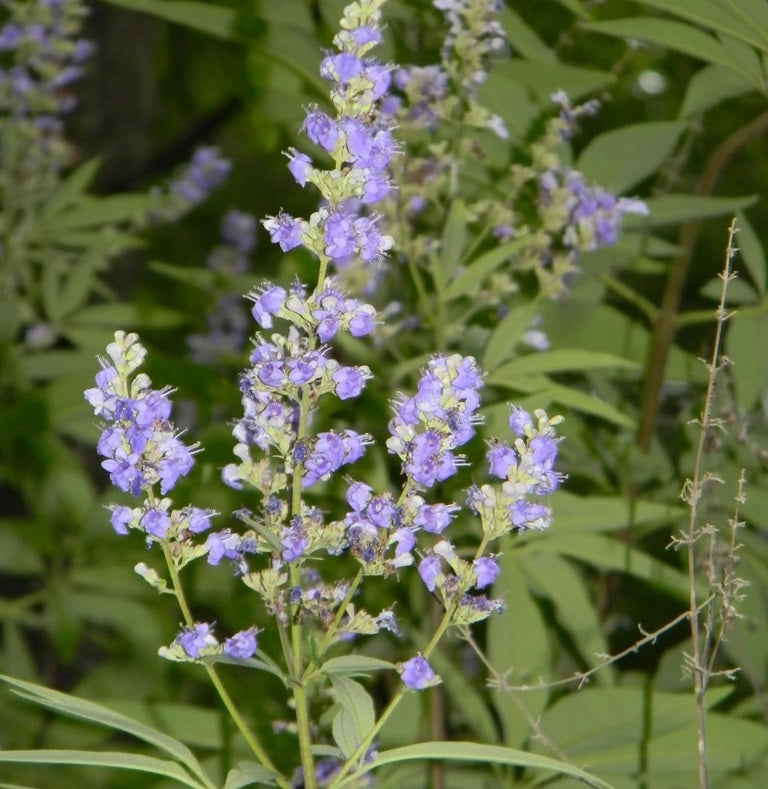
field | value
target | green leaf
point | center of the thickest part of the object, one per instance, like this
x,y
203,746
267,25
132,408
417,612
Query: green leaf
x,y
751,252
96,713
476,271
673,35
589,404
465,699
355,718
523,38
746,20
452,246
476,752
505,337
747,334
123,761
555,361
207,18
198,276
589,514
347,665
125,315
556,579
46,365
711,85
544,78
91,211
70,189
247,774
605,158
518,643
611,554
672,208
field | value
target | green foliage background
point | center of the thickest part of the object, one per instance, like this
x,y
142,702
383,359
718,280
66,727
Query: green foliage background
x,y
73,616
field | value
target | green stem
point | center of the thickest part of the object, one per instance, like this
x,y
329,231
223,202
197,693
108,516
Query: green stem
x,y
229,704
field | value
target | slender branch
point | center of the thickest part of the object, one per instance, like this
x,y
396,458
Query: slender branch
x,y
251,739
665,324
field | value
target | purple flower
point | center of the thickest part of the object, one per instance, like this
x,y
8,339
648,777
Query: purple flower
x,y
341,68
121,518
193,640
486,570
222,545
520,421
429,569
294,543
241,645
300,165
434,518
284,230
416,673
321,130
238,230
500,459
202,175
529,515
197,520
381,511
340,236
349,382
266,303
358,496
155,522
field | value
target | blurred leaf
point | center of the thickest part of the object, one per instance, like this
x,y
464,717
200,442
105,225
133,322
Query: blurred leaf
x,y
505,337
472,275
751,252
452,245
204,17
746,20
518,643
557,580
471,704
123,761
673,35
523,38
348,665
356,715
46,365
197,276
247,774
125,315
16,557
96,713
739,292
746,334
611,554
589,404
605,159
558,360
673,208
544,78
711,85
90,211
476,752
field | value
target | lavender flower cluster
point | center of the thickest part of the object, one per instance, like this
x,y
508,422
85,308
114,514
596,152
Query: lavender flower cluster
x,y
42,39
360,144
283,454
142,452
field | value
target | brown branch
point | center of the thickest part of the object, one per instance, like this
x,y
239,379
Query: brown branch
x,y
665,326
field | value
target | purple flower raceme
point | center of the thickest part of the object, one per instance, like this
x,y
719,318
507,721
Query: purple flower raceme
x,y
140,445
440,417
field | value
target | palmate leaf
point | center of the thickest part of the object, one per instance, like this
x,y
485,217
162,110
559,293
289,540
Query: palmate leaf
x,y
96,713
116,759
674,35
746,20
478,753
